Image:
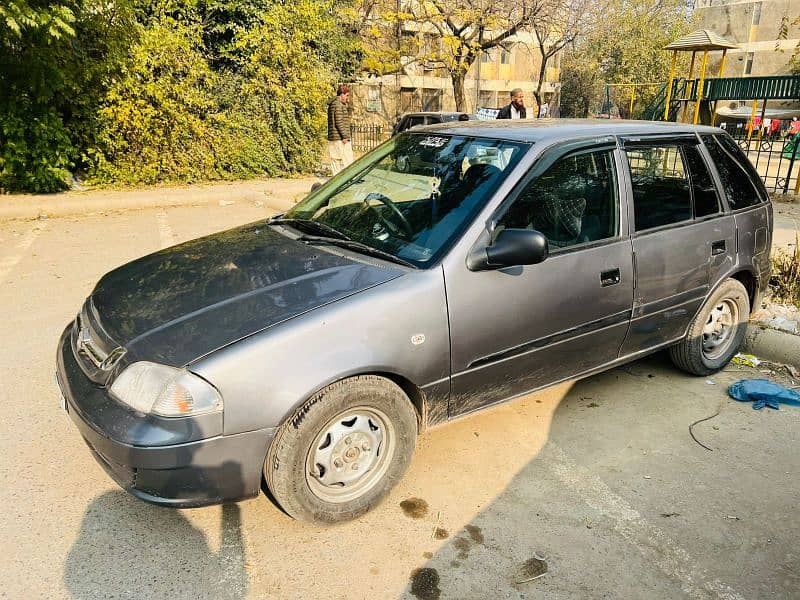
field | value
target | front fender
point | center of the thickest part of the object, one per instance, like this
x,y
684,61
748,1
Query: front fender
x,y
264,378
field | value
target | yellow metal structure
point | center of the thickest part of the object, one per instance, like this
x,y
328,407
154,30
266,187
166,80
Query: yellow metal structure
x,y
669,85
704,41
720,75
700,87
752,120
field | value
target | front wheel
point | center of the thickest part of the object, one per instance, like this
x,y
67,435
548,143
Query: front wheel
x,y
343,450
717,331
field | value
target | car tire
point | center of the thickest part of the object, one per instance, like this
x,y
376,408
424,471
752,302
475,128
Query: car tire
x,y
716,333
342,451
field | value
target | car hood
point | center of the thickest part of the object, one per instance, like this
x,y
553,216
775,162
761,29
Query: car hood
x,y
183,302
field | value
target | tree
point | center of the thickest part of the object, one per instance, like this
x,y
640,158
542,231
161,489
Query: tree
x,y
463,30
558,24
580,86
626,47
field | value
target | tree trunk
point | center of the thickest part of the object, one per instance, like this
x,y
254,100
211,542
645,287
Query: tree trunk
x,y
458,77
537,93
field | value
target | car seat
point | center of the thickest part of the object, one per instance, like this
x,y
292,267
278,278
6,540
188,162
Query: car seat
x,y
560,219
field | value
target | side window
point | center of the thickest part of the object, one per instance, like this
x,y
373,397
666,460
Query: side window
x,y
414,122
706,201
736,178
660,184
573,202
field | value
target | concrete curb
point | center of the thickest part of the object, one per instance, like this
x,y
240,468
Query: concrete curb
x,y
280,194
772,345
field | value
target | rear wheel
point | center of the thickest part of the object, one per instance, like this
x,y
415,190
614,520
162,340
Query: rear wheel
x,y
343,450
717,331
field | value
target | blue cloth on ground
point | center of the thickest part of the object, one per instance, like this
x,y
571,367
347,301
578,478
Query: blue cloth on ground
x,y
763,392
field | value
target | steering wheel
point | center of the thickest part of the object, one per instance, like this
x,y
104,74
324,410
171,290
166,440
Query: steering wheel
x,y
392,227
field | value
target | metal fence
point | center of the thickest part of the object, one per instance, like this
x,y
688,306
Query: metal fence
x,y
365,137
776,157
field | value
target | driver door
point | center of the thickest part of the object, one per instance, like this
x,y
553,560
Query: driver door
x,y
520,328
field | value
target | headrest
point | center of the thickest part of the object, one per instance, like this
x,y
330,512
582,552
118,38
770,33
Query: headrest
x,y
560,212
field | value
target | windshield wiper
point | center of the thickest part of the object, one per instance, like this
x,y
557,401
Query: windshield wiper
x,y
309,226
357,246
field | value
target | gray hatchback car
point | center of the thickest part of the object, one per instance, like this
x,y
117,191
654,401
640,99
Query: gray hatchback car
x,y
307,351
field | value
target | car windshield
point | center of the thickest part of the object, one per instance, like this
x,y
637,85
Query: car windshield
x,y
413,195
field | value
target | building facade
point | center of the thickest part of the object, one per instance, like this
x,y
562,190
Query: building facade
x,y
755,25
426,86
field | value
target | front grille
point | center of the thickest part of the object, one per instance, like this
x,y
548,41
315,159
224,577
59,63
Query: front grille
x,y
95,351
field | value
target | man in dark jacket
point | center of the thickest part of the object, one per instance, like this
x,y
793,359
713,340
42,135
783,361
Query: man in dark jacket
x,y
339,146
515,110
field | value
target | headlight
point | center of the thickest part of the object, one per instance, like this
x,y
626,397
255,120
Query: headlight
x,y
166,391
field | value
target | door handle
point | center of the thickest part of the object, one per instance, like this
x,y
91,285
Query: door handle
x,y
718,247
608,278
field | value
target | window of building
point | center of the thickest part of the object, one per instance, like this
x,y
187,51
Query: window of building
x,y
573,202
505,57
660,184
409,100
486,99
748,63
486,57
757,13
431,99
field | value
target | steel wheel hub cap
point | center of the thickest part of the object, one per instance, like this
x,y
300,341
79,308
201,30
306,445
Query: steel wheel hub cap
x,y
350,454
719,328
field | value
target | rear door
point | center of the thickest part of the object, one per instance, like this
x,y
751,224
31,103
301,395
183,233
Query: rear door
x,y
680,236
747,200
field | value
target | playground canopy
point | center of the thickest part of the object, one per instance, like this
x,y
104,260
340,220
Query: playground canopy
x,y
704,41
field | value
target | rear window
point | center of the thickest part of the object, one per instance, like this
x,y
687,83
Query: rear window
x,y
735,171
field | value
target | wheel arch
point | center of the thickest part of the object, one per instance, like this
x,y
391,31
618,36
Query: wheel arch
x,y
411,390
748,279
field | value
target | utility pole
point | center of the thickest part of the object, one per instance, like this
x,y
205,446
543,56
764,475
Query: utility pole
x,y
399,36
480,60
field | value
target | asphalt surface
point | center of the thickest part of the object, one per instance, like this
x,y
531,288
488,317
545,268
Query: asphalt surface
x,y
599,479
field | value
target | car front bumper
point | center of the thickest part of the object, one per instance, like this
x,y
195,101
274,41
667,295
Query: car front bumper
x,y
160,460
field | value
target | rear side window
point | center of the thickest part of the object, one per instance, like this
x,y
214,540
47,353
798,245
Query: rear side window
x,y
737,179
704,192
661,187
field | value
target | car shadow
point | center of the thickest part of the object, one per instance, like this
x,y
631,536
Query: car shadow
x,y
129,549
610,505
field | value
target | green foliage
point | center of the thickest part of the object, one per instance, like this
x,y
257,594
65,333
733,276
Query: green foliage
x,y
581,86
785,277
36,150
155,120
627,47
143,91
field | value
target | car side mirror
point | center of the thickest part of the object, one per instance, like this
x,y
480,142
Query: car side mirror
x,y
510,248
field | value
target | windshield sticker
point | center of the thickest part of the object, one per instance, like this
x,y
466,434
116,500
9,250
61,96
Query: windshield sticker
x,y
433,142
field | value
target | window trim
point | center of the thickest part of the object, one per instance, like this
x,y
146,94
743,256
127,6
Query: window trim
x,y
720,205
679,141
547,159
664,141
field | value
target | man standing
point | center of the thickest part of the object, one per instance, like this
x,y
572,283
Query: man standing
x,y
515,110
339,146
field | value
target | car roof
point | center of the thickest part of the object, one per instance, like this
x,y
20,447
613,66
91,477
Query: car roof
x,y
534,130
434,113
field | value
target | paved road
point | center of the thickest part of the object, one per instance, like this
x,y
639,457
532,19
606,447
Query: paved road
x,y
787,224
600,477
